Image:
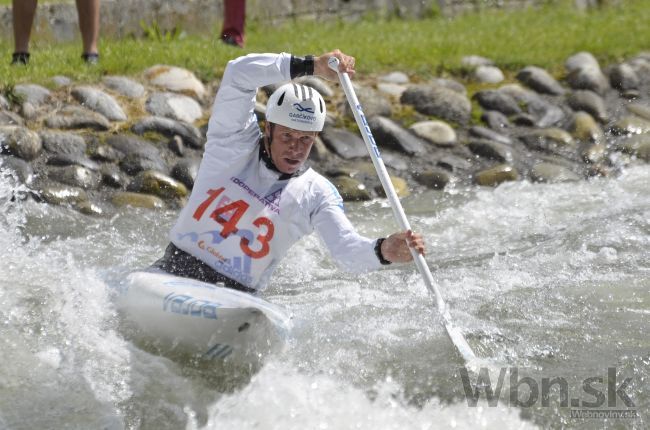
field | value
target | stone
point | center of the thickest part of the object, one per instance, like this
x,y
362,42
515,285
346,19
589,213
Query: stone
x,y
175,106
175,79
630,125
548,172
392,135
585,128
637,146
28,110
539,80
350,189
319,151
491,150
488,74
590,102
18,167
474,61
373,102
439,101
395,78
318,84
433,177
552,140
122,199
128,144
454,163
641,110
344,143
63,143
186,171
394,160
10,118
33,94
498,101
136,163
77,176
105,153
99,102
581,60
76,117
623,77
20,141
495,120
486,133
399,185
593,153
88,208
437,132
191,135
175,145
450,84
62,195
4,104
393,90
545,113
72,160
124,86
524,120
61,81
588,79
112,176
157,184
496,175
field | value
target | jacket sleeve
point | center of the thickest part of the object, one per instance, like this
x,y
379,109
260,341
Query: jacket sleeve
x,y
233,131
352,252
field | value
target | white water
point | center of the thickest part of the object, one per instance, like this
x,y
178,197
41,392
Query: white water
x,y
551,279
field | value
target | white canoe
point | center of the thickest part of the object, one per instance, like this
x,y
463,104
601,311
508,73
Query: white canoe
x,y
181,317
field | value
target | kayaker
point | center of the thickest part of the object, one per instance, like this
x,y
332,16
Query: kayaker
x,y
253,197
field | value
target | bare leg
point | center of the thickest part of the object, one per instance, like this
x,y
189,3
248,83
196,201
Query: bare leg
x,y
23,17
88,11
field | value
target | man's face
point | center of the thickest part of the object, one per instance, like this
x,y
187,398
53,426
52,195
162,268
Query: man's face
x,y
290,148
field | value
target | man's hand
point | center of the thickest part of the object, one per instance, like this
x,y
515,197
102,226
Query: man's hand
x,y
346,65
396,246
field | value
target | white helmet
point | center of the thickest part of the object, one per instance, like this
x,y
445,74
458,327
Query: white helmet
x,y
296,106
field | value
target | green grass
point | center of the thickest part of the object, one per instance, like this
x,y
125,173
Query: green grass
x,y
542,36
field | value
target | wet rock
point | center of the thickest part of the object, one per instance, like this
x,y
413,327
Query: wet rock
x,y
636,145
174,106
454,163
21,169
391,134
319,151
495,120
128,144
20,142
157,184
175,145
399,185
112,176
631,125
62,195
437,132
394,90
497,101
10,118
546,114
395,78
104,153
488,74
590,102
122,199
318,84
88,208
623,77
72,160
433,177
641,110
33,94
124,86
350,189
168,127
581,60
373,102
75,117
344,143
61,81
539,80
496,175
439,101
474,61
62,143
524,120
593,153
487,134
99,102
396,161
136,163
591,79
77,176
585,128
186,171
553,140
491,150
175,79
548,172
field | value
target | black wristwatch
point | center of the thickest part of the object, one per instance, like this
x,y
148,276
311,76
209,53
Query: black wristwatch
x,y
378,253
300,66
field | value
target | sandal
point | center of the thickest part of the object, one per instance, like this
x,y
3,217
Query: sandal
x,y
20,58
90,58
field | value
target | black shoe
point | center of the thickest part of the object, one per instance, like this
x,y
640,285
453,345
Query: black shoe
x,y
230,40
90,59
20,58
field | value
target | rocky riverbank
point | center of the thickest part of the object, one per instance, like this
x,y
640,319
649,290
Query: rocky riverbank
x,y
138,141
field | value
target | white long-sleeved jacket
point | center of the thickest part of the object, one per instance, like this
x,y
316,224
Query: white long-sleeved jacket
x,y
241,218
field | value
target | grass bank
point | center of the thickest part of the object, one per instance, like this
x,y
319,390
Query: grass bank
x,y
542,36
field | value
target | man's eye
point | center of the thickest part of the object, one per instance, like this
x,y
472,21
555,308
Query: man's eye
x,y
306,140
286,137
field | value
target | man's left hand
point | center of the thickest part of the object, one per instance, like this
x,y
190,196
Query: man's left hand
x,y
396,246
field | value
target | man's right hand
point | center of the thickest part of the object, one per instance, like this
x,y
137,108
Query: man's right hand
x,y
321,68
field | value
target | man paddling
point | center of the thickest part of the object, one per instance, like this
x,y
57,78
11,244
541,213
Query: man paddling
x,y
253,197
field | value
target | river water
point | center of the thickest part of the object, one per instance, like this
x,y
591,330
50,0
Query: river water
x,y
546,281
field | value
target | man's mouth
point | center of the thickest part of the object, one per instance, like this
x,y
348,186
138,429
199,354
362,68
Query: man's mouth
x,y
292,162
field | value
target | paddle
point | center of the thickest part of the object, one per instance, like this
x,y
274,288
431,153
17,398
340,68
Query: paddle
x,y
454,333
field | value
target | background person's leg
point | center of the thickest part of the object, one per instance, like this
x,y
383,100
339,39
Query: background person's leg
x,y
234,20
88,11
23,18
